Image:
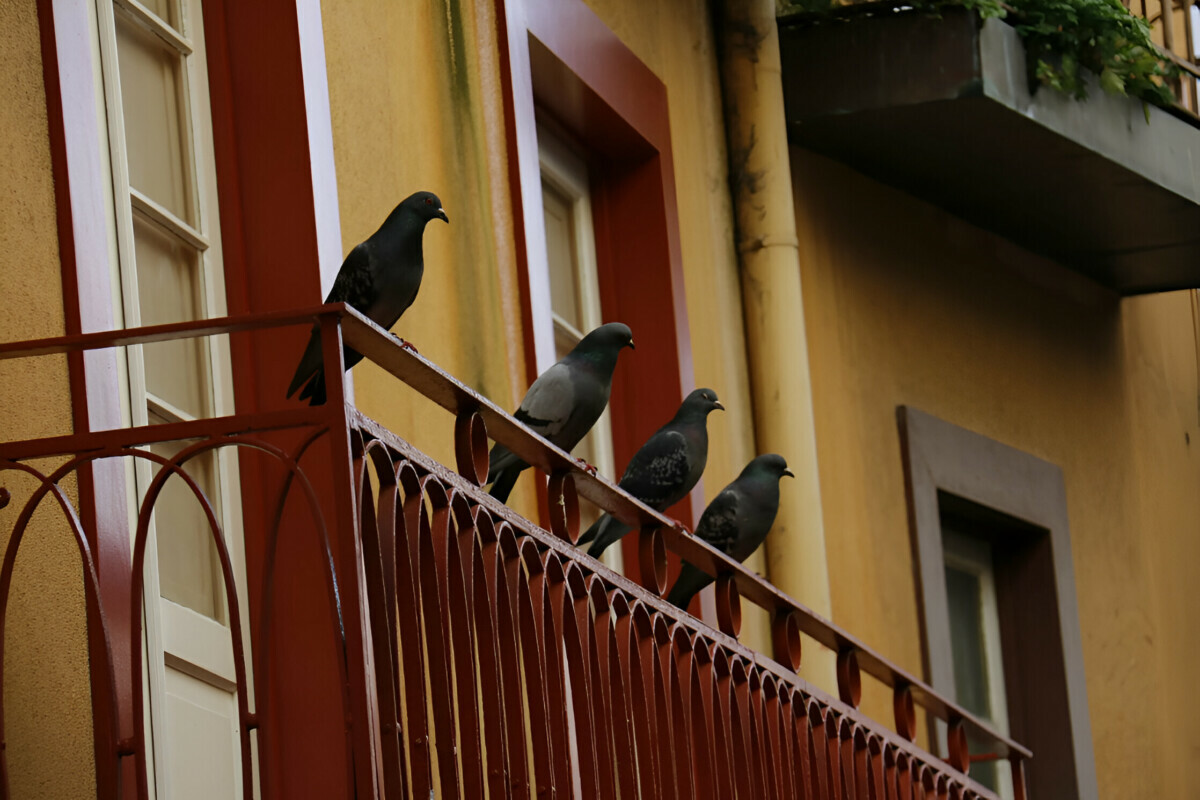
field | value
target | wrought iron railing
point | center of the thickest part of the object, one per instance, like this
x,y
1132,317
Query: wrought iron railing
x,y
478,653
1177,34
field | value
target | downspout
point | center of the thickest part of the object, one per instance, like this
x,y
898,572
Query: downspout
x,y
768,253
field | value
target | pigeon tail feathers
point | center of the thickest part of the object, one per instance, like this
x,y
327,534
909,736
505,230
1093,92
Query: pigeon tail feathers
x,y
504,483
612,532
691,580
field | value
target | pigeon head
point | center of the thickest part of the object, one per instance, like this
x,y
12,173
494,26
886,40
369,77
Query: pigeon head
x,y
699,404
768,465
605,342
425,206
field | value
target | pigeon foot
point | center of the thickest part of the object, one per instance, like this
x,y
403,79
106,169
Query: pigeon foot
x,y
588,468
409,346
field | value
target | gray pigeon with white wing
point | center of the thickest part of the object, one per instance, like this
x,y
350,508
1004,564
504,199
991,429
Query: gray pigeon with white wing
x,y
737,520
565,401
664,469
379,278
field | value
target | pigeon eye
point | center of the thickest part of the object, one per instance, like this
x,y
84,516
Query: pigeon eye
x,y
428,201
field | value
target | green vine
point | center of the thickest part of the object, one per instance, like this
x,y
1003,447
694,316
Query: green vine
x,y
1065,39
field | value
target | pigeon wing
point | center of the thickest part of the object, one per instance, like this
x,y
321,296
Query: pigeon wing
x,y
658,471
719,522
355,284
550,402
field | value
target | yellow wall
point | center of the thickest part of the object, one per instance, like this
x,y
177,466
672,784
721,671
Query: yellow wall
x,y
397,128
675,41
424,112
905,304
46,689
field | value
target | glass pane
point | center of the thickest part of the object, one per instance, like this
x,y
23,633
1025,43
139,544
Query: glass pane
x,y
152,98
964,597
188,566
966,637
560,252
169,291
564,341
165,10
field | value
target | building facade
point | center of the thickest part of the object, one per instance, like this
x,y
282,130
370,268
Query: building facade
x,y
998,468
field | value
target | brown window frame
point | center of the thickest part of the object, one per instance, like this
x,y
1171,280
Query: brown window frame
x,y
563,62
1018,502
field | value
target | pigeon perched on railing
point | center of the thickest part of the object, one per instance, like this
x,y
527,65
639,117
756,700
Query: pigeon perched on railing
x,y
565,401
379,278
664,469
737,520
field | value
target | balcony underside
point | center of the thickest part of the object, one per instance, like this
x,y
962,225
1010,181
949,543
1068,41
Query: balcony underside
x,y
942,109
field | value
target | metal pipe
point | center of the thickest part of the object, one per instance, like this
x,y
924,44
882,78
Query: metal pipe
x,y
761,183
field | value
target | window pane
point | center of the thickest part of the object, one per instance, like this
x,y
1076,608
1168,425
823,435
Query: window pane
x,y
152,101
964,597
564,342
169,291
166,11
966,636
560,252
187,558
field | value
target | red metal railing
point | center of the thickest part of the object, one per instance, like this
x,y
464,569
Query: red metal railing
x,y
481,653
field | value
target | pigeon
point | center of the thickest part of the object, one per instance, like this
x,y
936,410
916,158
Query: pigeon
x,y
737,520
665,469
565,401
379,278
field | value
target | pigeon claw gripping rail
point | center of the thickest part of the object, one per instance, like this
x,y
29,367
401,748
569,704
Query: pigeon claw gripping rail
x,y
452,647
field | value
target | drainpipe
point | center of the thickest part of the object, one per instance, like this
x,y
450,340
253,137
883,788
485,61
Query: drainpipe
x,y
768,252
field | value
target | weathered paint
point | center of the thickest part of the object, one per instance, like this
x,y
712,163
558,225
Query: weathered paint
x,y
906,304
675,40
48,728
424,111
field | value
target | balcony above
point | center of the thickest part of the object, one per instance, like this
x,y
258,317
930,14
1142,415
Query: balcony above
x,y
942,108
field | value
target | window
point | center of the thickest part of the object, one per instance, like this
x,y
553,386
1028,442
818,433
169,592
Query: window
x,y
574,285
567,68
997,589
975,643
167,240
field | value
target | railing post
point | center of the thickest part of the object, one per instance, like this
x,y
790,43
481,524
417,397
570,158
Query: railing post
x,y
366,747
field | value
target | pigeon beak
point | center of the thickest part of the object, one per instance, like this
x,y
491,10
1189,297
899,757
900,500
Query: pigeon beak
x,y
632,346
788,472
442,216
717,405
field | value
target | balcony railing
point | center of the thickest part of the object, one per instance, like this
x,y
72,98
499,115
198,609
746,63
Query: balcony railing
x,y
1176,33
477,654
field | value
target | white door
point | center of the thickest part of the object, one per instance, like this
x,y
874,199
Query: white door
x,y
167,243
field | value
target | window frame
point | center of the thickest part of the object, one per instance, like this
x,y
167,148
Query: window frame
x,y
282,249
993,480
563,61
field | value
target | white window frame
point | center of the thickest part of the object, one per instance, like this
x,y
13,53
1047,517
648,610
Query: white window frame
x,y
563,168
212,659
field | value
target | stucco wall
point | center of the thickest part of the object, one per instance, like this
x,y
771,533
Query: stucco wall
x,y
48,729
675,41
907,305
424,112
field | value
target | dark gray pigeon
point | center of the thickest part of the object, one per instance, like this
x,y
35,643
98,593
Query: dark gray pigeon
x,y
379,279
737,520
665,469
565,401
